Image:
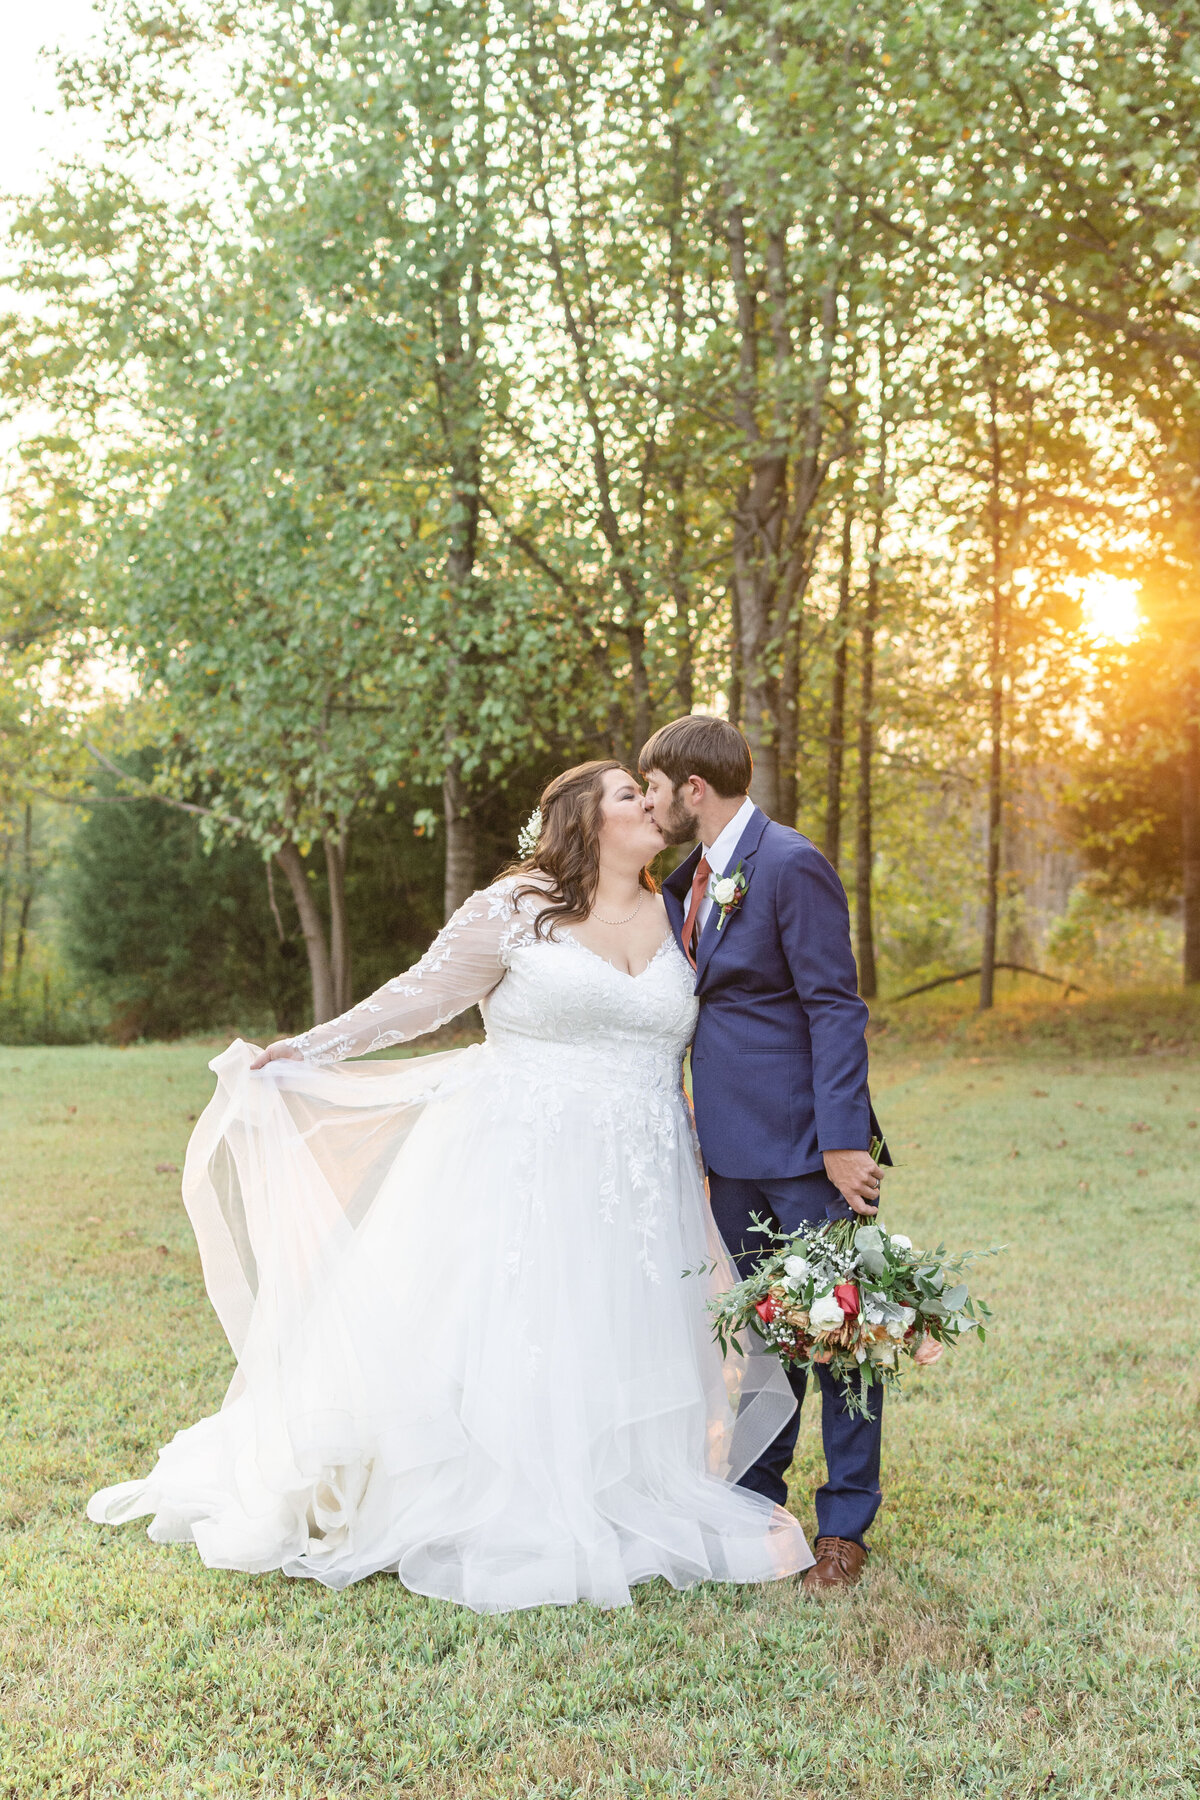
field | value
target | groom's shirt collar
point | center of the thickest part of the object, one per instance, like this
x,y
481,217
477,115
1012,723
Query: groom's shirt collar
x,y
720,853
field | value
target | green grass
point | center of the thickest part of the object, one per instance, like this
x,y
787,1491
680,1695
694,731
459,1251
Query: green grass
x,y
1029,1625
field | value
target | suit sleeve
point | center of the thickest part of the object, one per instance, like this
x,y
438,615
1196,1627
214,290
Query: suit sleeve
x,y
814,924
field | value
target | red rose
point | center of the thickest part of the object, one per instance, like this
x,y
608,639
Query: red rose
x,y
766,1310
847,1298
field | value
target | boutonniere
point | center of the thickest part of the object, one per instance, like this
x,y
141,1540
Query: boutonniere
x,y
727,894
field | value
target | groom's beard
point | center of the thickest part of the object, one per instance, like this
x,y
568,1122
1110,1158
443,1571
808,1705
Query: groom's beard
x,y
681,826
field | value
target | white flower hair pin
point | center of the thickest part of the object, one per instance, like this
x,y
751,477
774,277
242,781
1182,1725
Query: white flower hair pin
x,y
530,832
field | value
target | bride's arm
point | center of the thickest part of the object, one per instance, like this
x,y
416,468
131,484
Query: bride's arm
x,y
463,964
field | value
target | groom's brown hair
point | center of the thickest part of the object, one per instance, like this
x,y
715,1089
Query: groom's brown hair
x,y
700,745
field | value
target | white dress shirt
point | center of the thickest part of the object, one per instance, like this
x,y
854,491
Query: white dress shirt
x,y
720,856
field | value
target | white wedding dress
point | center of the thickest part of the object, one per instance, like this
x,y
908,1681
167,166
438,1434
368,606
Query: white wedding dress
x,y
469,1351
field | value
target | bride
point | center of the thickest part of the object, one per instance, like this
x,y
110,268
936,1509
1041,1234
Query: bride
x,y
468,1349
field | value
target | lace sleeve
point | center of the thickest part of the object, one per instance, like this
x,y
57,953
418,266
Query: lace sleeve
x,y
466,960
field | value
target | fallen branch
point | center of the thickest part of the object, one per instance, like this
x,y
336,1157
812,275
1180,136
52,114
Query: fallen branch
x,y
1068,987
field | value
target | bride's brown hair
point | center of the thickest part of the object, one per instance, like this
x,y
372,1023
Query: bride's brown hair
x,y
568,846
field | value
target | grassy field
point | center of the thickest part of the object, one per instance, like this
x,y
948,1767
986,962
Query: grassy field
x,y
1030,1623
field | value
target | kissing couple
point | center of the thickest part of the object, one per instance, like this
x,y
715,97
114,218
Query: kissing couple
x,y
467,1292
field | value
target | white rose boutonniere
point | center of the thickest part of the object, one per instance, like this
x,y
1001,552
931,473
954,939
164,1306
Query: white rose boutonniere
x,y
727,893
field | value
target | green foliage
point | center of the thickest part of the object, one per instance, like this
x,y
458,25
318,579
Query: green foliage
x,y
1100,941
49,1004
175,936
1027,1023
1127,821
525,378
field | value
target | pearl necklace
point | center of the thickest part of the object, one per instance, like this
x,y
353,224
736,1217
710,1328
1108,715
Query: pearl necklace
x,y
637,909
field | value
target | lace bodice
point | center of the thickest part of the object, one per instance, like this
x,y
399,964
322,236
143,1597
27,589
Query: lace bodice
x,y
532,991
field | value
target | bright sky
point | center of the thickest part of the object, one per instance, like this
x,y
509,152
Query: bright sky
x,y
32,133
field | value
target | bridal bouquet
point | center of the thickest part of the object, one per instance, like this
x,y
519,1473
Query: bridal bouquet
x,y
852,1296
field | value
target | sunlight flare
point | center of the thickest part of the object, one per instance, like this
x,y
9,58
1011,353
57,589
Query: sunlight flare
x,y
1110,607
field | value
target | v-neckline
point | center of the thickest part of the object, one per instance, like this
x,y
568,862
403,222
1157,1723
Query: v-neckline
x,y
570,938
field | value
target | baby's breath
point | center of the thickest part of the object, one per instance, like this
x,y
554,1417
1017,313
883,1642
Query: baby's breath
x,y
529,834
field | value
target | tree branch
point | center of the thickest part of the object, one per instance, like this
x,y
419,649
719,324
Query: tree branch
x,y
146,792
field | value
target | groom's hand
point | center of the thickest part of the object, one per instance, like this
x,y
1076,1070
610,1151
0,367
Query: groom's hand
x,y
855,1174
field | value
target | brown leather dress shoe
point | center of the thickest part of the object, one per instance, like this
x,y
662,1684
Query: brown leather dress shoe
x,y
839,1564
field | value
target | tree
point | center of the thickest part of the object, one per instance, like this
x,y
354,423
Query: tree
x,y
1134,803
298,570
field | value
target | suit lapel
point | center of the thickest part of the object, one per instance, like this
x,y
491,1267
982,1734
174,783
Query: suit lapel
x,y
675,890
711,938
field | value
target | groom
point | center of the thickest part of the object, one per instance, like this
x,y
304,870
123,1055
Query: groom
x,y
779,1067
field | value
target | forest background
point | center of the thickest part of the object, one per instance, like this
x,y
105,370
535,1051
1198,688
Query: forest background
x,y
403,402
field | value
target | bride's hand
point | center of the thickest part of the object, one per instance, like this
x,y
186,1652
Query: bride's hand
x,y
276,1053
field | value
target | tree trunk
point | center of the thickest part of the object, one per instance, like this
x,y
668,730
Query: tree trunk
x,y
991,894
460,840
685,667
756,524
4,903
460,344
788,720
339,931
320,968
735,660
26,900
1190,810
864,847
635,636
837,700
758,691
995,785
274,904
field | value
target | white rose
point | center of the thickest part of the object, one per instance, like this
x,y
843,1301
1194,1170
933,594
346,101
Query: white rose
x,y
724,890
896,1328
795,1268
825,1314
900,1242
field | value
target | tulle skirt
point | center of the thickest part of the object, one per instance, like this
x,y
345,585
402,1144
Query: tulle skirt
x,y
467,1296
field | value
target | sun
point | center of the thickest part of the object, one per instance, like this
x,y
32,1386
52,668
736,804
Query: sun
x,y
1110,607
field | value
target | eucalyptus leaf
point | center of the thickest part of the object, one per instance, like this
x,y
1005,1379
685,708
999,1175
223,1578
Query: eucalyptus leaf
x,y
868,1242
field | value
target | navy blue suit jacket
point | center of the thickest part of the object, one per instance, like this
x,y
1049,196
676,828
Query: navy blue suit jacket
x,y
779,1062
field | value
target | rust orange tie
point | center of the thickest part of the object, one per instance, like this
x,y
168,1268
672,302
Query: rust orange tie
x,y
699,889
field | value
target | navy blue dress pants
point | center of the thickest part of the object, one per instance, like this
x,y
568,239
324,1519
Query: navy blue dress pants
x,y
849,1500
